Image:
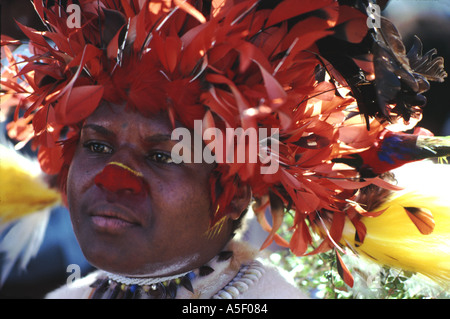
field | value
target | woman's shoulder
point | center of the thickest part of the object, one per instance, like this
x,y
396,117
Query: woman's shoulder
x,y
257,278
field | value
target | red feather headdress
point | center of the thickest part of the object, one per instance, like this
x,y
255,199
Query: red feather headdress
x,y
306,68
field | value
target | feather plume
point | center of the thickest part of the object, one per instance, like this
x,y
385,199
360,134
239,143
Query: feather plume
x,y
418,243
25,204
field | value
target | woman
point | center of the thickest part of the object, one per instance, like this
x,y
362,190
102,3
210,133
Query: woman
x,y
109,95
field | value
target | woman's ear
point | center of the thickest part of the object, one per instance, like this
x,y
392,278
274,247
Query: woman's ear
x,y
240,201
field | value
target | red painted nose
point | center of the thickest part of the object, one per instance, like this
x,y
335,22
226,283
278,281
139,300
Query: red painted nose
x,y
117,177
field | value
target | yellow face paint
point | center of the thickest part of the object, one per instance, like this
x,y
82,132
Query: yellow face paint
x,y
136,173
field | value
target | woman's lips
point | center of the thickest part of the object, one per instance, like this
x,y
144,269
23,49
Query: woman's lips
x,y
111,224
112,219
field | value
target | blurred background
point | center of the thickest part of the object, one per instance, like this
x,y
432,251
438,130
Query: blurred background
x,y
428,19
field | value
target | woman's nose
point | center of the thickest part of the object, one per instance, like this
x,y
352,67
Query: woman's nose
x,y
118,177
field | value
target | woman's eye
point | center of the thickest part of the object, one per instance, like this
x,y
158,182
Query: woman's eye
x,y
160,157
98,148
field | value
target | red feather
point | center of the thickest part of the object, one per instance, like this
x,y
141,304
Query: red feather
x,y
291,8
301,238
422,218
78,103
343,270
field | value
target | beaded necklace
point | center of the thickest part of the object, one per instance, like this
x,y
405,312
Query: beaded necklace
x,y
114,286
120,287
108,288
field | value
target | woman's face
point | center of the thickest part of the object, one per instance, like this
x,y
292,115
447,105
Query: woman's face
x,y
156,232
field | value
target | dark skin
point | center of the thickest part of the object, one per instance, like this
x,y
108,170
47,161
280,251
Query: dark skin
x,y
160,231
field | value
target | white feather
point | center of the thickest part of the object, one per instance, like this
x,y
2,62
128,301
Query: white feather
x,y
21,241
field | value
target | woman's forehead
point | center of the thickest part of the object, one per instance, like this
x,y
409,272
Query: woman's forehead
x,y
119,117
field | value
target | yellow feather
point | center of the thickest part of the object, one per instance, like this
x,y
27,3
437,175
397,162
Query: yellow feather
x,y
392,239
22,190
